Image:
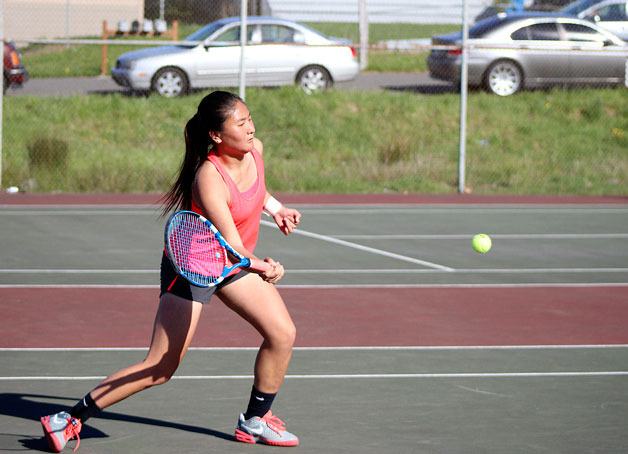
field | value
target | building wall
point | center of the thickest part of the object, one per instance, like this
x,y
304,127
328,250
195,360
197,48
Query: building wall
x,y
382,11
31,19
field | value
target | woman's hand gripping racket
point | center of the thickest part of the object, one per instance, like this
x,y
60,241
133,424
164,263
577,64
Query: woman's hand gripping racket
x,y
199,252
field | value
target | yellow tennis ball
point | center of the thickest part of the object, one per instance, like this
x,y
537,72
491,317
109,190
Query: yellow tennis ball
x,y
481,243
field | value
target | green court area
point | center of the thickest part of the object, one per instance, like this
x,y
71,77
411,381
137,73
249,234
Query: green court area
x,y
404,400
336,245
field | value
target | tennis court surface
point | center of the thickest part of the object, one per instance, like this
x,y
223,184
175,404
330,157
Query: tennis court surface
x,y
408,341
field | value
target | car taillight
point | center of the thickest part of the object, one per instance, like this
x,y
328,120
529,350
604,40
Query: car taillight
x,y
454,52
15,58
354,52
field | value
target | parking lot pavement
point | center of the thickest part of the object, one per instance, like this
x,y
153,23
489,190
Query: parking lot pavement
x,y
68,86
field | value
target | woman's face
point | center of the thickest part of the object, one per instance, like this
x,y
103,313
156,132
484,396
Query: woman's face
x,y
238,130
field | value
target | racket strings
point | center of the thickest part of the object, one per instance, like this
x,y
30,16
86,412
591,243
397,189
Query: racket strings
x,y
195,250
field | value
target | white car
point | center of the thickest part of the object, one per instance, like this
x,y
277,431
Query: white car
x,y
611,15
278,52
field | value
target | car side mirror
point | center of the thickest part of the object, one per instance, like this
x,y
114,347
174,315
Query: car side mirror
x,y
593,18
207,44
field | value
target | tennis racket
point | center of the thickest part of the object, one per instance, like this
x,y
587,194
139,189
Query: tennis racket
x,y
199,252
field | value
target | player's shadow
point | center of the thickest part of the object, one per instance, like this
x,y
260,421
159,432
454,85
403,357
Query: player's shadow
x,y
33,406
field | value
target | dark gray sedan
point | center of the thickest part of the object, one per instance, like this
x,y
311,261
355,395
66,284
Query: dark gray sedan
x,y
510,51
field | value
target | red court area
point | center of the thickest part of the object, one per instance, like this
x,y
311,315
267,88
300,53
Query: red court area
x,y
99,317
319,199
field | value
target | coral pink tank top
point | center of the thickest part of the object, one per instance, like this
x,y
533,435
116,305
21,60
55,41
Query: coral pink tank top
x,y
246,207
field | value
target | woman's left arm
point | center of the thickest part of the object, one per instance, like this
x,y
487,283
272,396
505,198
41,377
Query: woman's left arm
x,y
287,219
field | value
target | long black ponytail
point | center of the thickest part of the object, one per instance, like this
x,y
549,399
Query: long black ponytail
x,y
213,110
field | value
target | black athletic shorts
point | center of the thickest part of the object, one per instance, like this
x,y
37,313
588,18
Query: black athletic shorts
x,y
171,282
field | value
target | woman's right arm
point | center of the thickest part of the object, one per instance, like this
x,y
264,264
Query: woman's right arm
x,y
210,193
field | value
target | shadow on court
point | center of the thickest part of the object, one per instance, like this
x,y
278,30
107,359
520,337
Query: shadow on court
x,y
33,406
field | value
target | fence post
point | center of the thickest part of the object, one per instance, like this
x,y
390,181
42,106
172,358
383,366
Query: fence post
x,y
463,101
242,78
175,30
104,50
364,34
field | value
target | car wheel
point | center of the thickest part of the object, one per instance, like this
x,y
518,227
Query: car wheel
x,y
170,82
314,78
504,78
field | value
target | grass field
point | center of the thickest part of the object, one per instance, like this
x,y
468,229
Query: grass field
x,y
84,60
540,142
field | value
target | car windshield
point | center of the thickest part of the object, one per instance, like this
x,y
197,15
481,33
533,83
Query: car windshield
x,y
486,25
578,6
203,33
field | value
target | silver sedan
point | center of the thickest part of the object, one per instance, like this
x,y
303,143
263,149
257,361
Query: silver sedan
x,y
279,52
510,51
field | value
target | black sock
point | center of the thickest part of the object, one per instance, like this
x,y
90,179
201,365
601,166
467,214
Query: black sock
x,y
84,408
259,403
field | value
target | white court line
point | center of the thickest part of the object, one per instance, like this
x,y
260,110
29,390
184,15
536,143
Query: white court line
x,y
75,271
337,286
82,206
334,271
470,209
344,348
27,210
348,376
362,248
522,236
461,271
436,286
77,212
80,286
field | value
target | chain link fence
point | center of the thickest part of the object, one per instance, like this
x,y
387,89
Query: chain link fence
x,y
522,134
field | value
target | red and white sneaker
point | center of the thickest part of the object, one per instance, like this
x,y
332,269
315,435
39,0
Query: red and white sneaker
x,y
269,430
59,429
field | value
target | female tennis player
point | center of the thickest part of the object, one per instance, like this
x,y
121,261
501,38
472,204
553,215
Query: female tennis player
x,y
222,178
